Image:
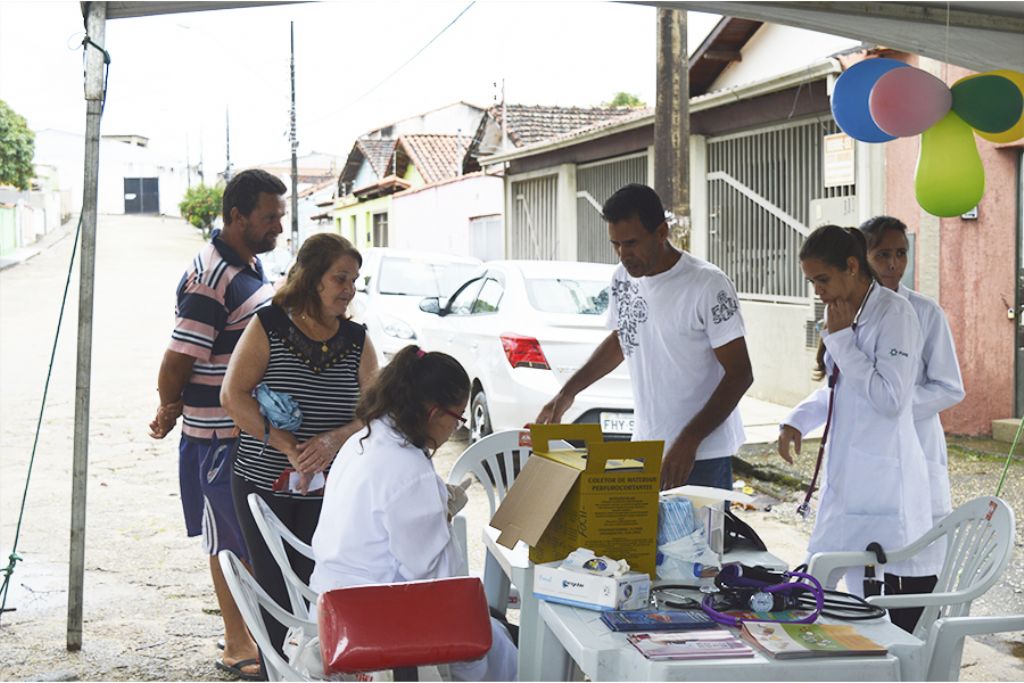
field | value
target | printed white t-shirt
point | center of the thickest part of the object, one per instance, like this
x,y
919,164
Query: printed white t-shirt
x,y
669,325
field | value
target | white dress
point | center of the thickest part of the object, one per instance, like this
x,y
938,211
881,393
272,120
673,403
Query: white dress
x,y
875,480
385,520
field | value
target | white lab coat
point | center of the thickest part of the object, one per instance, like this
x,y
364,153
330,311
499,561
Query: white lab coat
x,y
385,520
939,386
875,480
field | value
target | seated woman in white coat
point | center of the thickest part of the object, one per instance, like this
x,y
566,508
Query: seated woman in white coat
x,y
875,481
385,516
939,384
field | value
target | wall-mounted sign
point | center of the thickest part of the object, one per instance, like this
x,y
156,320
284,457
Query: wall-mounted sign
x,y
838,160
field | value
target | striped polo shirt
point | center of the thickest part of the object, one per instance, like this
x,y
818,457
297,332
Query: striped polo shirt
x,y
217,296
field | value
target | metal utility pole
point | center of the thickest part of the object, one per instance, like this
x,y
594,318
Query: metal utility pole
x,y
95,26
188,163
672,122
227,144
295,160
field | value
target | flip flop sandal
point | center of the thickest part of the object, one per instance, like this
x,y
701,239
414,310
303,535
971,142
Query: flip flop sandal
x,y
236,669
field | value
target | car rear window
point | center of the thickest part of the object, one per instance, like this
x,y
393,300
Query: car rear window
x,y
412,277
563,295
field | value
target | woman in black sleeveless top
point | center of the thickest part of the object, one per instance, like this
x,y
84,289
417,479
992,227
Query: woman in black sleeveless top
x,y
303,346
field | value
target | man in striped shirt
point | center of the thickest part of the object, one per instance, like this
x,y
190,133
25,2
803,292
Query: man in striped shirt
x,y
217,296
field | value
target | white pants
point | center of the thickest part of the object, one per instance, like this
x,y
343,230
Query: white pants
x,y
499,664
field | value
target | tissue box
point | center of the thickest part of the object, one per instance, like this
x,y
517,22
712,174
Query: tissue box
x,y
629,591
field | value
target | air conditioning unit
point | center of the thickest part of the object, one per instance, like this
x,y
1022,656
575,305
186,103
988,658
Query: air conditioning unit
x,y
841,211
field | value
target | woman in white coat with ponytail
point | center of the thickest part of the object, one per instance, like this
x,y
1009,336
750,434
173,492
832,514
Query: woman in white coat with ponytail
x,y
874,481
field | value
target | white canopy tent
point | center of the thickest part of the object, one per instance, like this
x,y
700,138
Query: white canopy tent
x,y
982,36
977,35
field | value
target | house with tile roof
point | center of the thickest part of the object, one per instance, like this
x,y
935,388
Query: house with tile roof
x,y
404,185
378,169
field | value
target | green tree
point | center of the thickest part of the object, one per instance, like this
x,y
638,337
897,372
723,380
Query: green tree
x,y
625,99
201,205
17,148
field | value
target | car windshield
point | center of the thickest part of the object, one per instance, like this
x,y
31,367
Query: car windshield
x,y
564,295
411,277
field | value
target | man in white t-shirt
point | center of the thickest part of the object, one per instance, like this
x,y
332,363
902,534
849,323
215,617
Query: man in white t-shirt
x,y
675,319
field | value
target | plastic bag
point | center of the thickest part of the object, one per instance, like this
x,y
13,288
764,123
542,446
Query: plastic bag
x,y
683,552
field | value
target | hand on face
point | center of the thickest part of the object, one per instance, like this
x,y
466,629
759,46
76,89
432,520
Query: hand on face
x,y
840,314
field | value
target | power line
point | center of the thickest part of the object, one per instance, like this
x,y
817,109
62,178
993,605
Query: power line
x,y
403,65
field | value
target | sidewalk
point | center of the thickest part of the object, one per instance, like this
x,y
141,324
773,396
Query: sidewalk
x,y
761,420
22,254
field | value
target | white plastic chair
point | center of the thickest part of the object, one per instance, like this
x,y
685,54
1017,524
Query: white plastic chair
x,y
275,534
495,461
979,541
946,641
250,598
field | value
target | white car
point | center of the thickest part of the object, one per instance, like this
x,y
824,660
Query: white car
x,y
390,286
521,329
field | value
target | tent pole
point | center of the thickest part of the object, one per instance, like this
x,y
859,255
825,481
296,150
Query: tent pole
x,y
94,72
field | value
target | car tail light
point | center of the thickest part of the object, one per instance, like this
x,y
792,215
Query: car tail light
x,y
524,352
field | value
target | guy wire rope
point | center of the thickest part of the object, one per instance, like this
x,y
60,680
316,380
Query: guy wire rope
x,y
13,558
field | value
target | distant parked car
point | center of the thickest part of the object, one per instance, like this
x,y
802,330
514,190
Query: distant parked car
x,y
521,329
390,286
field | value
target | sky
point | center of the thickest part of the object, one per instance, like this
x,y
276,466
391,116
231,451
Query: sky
x,y
177,78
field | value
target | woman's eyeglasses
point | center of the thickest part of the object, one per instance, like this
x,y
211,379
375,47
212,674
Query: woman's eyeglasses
x,y
462,420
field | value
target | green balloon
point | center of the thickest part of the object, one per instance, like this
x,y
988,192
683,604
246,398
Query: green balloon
x,y
988,103
949,179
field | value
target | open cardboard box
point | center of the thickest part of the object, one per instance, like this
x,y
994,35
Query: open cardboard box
x,y
603,497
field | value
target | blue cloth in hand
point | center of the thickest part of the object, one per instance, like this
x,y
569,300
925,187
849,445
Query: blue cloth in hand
x,y
280,408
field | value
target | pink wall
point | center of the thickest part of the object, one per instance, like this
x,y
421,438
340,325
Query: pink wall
x,y
976,276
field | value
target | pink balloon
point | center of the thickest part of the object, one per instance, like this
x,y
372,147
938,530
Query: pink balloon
x,y
905,102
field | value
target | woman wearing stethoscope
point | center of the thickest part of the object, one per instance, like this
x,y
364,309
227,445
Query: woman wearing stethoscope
x,y
939,384
874,485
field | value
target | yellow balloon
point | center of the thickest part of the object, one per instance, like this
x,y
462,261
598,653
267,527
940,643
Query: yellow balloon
x,y
1016,131
949,179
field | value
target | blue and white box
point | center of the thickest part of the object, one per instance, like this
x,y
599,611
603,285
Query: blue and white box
x,y
632,590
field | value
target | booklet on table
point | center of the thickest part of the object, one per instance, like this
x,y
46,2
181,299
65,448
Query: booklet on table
x,y
792,641
703,644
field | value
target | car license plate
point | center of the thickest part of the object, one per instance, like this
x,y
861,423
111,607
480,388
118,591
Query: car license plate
x,y
617,423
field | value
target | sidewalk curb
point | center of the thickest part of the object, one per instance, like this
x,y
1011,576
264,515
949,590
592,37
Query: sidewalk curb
x,y
22,254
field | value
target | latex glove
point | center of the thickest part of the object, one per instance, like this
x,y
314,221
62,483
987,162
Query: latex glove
x,y
457,497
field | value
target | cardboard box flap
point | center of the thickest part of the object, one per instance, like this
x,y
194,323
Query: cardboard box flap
x,y
543,434
641,456
532,501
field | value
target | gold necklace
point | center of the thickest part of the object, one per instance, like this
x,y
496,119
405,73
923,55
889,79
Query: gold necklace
x,y
323,344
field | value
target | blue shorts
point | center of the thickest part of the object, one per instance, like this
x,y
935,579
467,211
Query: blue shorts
x,y
204,474
715,472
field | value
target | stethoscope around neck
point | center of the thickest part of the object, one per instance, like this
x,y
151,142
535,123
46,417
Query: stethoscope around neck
x,y
833,378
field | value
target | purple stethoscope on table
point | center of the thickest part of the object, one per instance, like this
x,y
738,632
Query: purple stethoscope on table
x,y
756,589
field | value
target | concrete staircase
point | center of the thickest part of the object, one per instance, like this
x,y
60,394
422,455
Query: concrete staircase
x,y
1005,430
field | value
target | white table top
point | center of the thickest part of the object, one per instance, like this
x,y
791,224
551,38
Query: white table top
x,y
606,655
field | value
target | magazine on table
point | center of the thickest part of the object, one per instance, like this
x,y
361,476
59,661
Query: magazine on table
x,y
793,641
653,620
703,644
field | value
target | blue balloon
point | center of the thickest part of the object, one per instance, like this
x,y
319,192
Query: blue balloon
x,y
850,99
